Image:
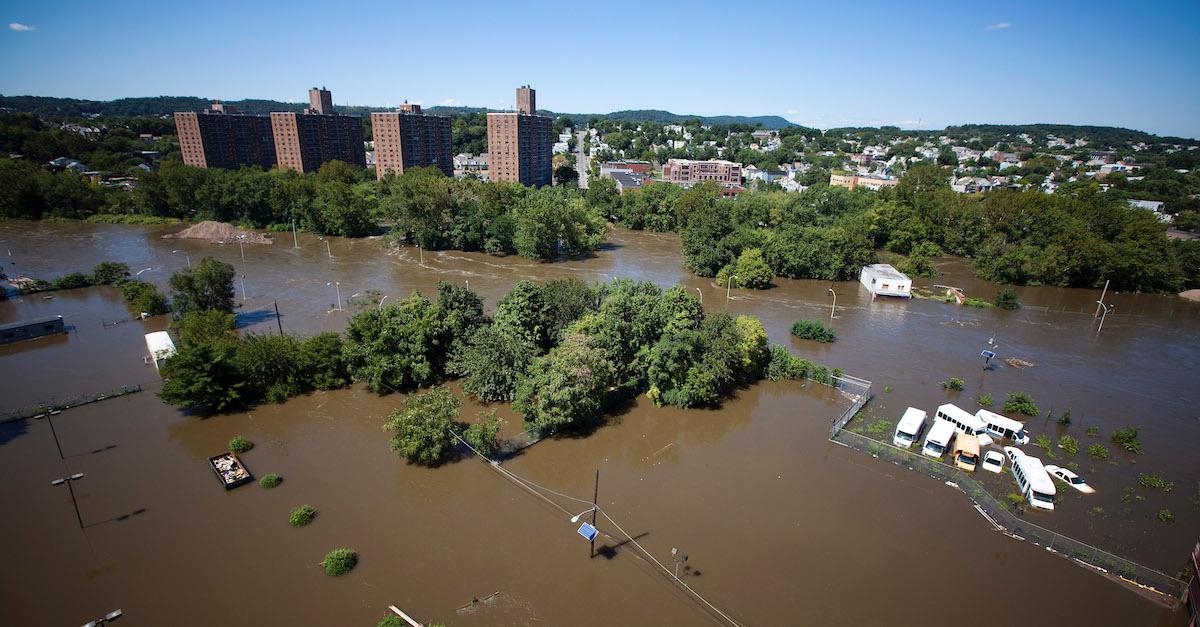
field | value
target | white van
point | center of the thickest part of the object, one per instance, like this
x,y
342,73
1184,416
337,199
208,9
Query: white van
x,y
1003,426
912,423
938,440
964,422
1033,481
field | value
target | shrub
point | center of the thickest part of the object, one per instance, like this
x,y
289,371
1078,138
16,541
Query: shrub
x,y
985,400
238,444
1015,498
1043,442
785,366
338,562
1093,432
109,272
143,297
484,435
1099,451
752,270
976,302
1068,444
391,620
422,426
1155,482
1021,403
1166,516
71,281
1127,437
888,389
1065,419
813,330
1007,299
302,515
821,375
954,383
270,481
1073,466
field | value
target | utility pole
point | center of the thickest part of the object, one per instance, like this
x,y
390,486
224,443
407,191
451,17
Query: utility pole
x,y
277,320
595,506
68,480
1100,303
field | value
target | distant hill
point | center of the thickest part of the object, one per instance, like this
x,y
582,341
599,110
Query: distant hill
x,y
164,105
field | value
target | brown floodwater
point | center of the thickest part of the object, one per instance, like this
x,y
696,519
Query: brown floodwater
x,y
781,526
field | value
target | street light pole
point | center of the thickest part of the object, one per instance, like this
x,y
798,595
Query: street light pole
x,y
595,506
1100,303
381,301
67,480
104,620
295,239
1107,309
701,295
185,254
337,286
243,288
328,250
241,246
728,283
833,309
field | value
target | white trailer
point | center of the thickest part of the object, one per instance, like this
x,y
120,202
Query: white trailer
x,y
881,279
160,346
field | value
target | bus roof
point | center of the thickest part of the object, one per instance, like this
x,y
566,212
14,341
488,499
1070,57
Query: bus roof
x,y
911,419
967,443
941,432
960,414
1036,474
1004,422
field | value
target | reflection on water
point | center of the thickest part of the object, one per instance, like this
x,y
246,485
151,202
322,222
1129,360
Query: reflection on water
x,y
780,526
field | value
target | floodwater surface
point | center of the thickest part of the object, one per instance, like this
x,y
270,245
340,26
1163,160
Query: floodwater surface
x,y
779,525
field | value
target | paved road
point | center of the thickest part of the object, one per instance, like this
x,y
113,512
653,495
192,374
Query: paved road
x,y
581,160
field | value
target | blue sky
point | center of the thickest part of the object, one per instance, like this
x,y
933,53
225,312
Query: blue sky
x,y
824,64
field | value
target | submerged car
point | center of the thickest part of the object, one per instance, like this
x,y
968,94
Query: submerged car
x,y
1070,478
993,461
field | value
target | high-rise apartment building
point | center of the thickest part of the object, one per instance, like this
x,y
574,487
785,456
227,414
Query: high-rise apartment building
x,y
520,143
686,171
220,137
408,138
305,141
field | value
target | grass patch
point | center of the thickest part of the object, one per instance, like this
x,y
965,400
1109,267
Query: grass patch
x,y
269,481
1068,444
302,515
954,383
1127,438
1096,510
1155,482
1015,498
986,400
888,389
971,301
239,445
1043,442
1165,515
338,562
879,426
1093,432
1099,451
1073,466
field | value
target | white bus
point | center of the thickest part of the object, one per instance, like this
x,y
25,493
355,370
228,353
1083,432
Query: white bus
x,y
964,422
938,440
912,423
1033,480
1003,426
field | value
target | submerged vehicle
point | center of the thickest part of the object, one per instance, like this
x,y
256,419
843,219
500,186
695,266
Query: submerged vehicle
x,y
1070,478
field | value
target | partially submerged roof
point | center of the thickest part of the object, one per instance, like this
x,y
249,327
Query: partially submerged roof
x,y
886,271
1003,422
28,323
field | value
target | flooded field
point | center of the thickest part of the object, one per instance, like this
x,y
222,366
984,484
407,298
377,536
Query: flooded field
x,y
781,526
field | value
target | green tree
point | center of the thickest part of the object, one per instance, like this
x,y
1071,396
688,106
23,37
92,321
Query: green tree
x,y
323,363
752,271
397,347
203,373
109,272
207,285
422,426
565,388
492,361
1007,299
484,434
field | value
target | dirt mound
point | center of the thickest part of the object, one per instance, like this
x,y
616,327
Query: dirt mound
x,y
219,232
1191,294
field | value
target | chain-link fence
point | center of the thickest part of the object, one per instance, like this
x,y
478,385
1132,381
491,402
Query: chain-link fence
x,y
66,403
859,390
1007,518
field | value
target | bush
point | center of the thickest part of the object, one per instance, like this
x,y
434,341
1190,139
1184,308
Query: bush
x,y
1127,437
985,400
338,562
1065,419
1068,444
484,435
1166,516
109,272
785,366
954,383
1093,432
1099,451
240,445
1155,482
71,281
422,426
1043,442
269,481
1015,498
752,271
1021,403
1007,299
143,297
813,330
302,515
971,301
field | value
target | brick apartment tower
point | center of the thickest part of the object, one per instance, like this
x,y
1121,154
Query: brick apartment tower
x,y
408,138
220,137
520,143
305,141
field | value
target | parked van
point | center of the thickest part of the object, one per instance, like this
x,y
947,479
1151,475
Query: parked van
x,y
964,422
1033,480
912,423
938,440
966,452
1003,426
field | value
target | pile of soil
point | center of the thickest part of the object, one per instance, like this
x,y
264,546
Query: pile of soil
x,y
219,232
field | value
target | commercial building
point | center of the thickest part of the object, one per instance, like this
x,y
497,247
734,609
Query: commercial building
x,y
687,172
867,181
637,167
30,329
408,138
220,137
305,141
520,143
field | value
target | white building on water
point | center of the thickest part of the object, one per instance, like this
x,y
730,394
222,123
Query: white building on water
x,y
882,279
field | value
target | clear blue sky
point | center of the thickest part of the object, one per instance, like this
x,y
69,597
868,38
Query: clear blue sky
x,y
826,64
